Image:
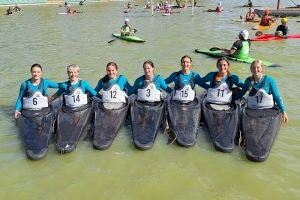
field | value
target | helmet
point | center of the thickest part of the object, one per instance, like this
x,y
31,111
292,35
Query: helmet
x,y
126,20
244,34
284,20
220,3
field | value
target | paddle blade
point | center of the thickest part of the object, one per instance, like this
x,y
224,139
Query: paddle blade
x,y
215,49
111,41
275,65
258,33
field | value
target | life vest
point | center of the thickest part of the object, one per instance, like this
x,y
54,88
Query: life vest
x,y
265,21
149,92
113,95
219,95
35,100
259,99
244,51
184,93
75,97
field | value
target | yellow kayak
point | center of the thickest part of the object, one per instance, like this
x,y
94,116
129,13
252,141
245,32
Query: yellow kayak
x,y
263,28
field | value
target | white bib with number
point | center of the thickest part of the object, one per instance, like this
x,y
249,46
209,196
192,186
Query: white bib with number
x,y
76,99
149,93
113,95
260,100
219,95
186,94
36,102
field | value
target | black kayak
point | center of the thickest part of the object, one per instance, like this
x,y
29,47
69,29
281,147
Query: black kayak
x,y
72,126
222,122
36,129
184,119
107,123
146,119
260,128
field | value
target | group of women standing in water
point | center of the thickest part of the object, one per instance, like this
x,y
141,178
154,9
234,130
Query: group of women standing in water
x,y
113,90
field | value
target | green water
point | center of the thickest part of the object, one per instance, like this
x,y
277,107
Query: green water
x,y
39,35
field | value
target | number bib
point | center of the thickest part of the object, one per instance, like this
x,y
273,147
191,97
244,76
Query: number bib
x,y
185,94
113,95
150,93
260,100
219,95
76,99
35,102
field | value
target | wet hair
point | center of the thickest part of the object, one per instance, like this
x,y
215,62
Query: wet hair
x,y
225,59
73,66
148,62
185,56
256,62
36,65
112,64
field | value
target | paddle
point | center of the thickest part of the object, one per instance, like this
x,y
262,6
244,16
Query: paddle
x,y
216,49
111,40
258,33
274,65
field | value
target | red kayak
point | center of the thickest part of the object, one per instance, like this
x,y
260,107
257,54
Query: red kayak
x,y
267,37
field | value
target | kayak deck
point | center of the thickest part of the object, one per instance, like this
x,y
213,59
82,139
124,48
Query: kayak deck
x,y
263,28
129,38
267,37
219,54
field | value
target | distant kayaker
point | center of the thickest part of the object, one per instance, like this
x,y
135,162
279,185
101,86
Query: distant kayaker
x,y
17,8
219,8
241,47
282,30
148,5
9,11
266,20
249,4
250,15
126,30
70,10
263,91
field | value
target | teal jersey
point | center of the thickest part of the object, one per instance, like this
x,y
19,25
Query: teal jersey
x,y
158,81
27,88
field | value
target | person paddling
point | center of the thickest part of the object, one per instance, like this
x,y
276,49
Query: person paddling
x,y
241,47
126,30
250,15
266,20
282,30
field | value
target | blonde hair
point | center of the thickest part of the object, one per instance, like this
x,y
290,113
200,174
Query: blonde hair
x,y
255,62
73,66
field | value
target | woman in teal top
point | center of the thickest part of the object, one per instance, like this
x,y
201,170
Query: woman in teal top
x,y
31,86
149,76
221,83
185,81
262,87
68,88
111,78
185,75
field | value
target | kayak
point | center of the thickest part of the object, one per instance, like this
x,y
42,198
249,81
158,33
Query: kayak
x,y
267,37
129,38
219,54
263,28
